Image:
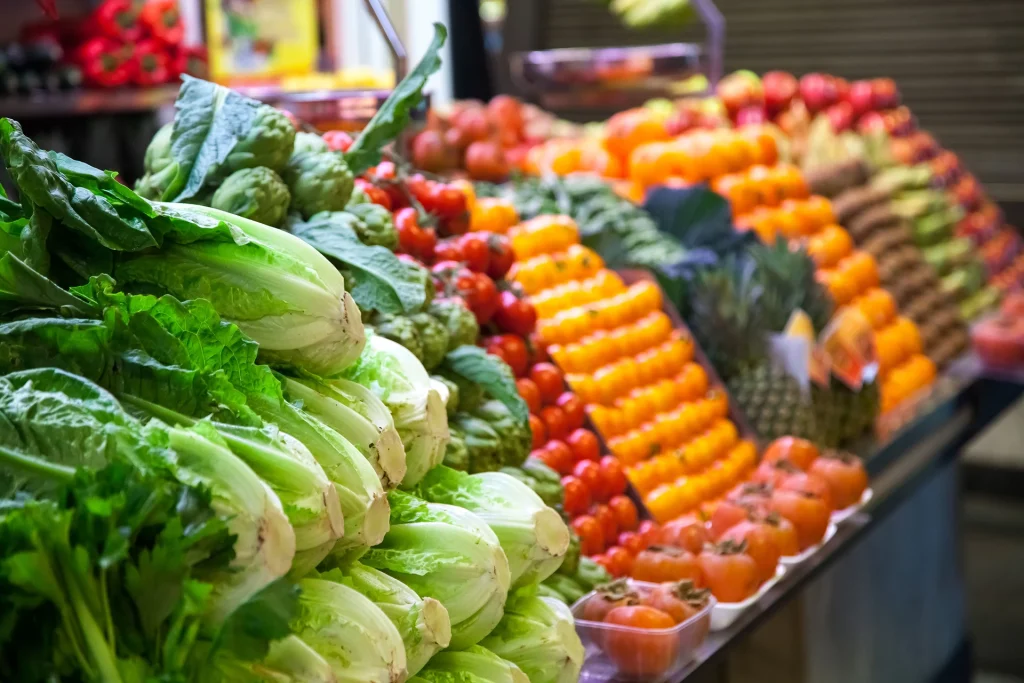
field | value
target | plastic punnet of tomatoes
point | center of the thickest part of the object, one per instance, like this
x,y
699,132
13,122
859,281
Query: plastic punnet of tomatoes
x,y
638,631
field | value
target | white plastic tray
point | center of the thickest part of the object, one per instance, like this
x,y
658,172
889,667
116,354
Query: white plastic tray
x,y
840,516
797,559
724,613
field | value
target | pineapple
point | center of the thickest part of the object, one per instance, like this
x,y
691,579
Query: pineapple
x,y
843,415
774,403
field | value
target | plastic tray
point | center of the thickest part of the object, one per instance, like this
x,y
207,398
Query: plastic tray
x,y
679,643
840,516
797,559
724,613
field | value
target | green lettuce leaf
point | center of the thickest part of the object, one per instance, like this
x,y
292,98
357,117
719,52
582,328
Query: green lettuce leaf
x,y
479,367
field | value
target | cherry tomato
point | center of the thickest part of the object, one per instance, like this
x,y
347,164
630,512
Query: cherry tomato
x,y
658,563
613,479
374,193
457,225
731,574
607,597
448,250
632,541
553,458
513,351
590,533
530,393
680,600
514,314
575,411
538,431
589,472
584,444
554,420
476,254
502,256
549,381
480,295
427,244
419,187
641,651
687,532
446,201
606,518
410,234
563,455
577,497
337,140
625,512
620,561
649,531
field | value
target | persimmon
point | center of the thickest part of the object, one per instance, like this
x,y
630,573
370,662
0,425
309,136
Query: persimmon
x,y
762,545
687,532
799,452
807,512
807,482
844,475
643,650
680,600
727,514
607,597
730,573
785,534
665,563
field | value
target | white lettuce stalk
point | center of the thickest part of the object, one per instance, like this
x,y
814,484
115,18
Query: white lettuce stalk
x,y
353,635
533,535
473,665
357,414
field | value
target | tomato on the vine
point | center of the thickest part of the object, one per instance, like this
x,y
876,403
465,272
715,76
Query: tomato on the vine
x,y
514,314
575,410
410,234
549,381
576,496
337,140
448,250
479,293
373,193
561,454
538,431
606,518
583,442
419,187
620,561
446,201
613,478
513,350
530,393
502,256
476,254
554,420
591,536
589,472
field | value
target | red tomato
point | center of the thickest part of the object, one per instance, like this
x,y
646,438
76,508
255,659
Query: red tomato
x,y
410,234
502,256
589,472
538,431
475,252
513,350
761,545
480,295
448,250
590,533
575,411
563,455
612,477
337,140
554,420
686,532
641,651
374,193
446,201
514,314
549,381
649,531
632,541
625,512
620,561
576,498
680,600
731,574
584,444
530,393
606,518
657,564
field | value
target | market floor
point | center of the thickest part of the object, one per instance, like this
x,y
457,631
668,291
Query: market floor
x,y
995,678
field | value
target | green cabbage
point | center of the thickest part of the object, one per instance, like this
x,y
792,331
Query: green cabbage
x,y
449,554
402,383
539,636
352,634
473,665
278,290
423,622
357,414
533,535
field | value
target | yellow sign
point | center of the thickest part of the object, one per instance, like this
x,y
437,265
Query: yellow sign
x,y
254,40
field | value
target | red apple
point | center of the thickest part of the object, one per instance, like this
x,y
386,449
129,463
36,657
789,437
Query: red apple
x,y
780,87
872,122
886,95
818,91
840,115
842,88
739,90
967,193
751,116
860,97
925,146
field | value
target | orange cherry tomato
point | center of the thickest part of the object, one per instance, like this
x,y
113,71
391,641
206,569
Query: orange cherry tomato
x,y
731,574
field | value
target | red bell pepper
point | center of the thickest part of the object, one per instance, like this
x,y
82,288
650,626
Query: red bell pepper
x,y
117,19
189,59
104,62
163,20
150,63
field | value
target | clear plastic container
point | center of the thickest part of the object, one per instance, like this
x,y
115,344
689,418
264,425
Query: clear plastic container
x,y
635,654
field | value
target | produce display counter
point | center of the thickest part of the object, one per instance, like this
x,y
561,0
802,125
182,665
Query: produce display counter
x,y
964,403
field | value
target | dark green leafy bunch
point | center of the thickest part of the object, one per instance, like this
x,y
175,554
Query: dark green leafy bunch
x,y
787,279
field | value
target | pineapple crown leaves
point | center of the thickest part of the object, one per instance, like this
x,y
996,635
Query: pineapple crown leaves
x,y
787,276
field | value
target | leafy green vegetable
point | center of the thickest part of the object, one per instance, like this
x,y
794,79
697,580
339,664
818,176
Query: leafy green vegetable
x,y
473,665
515,437
379,281
393,116
533,535
433,338
479,367
456,453
481,441
422,622
255,193
539,636
449,554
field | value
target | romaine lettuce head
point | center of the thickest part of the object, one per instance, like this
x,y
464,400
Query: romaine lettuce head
x,y
395,375
533,535
473,665
422,622
289,660
357,414
343,626
449,554
539,636
275,287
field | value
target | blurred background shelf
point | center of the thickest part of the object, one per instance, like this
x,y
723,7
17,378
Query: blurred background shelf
x,y
88,102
